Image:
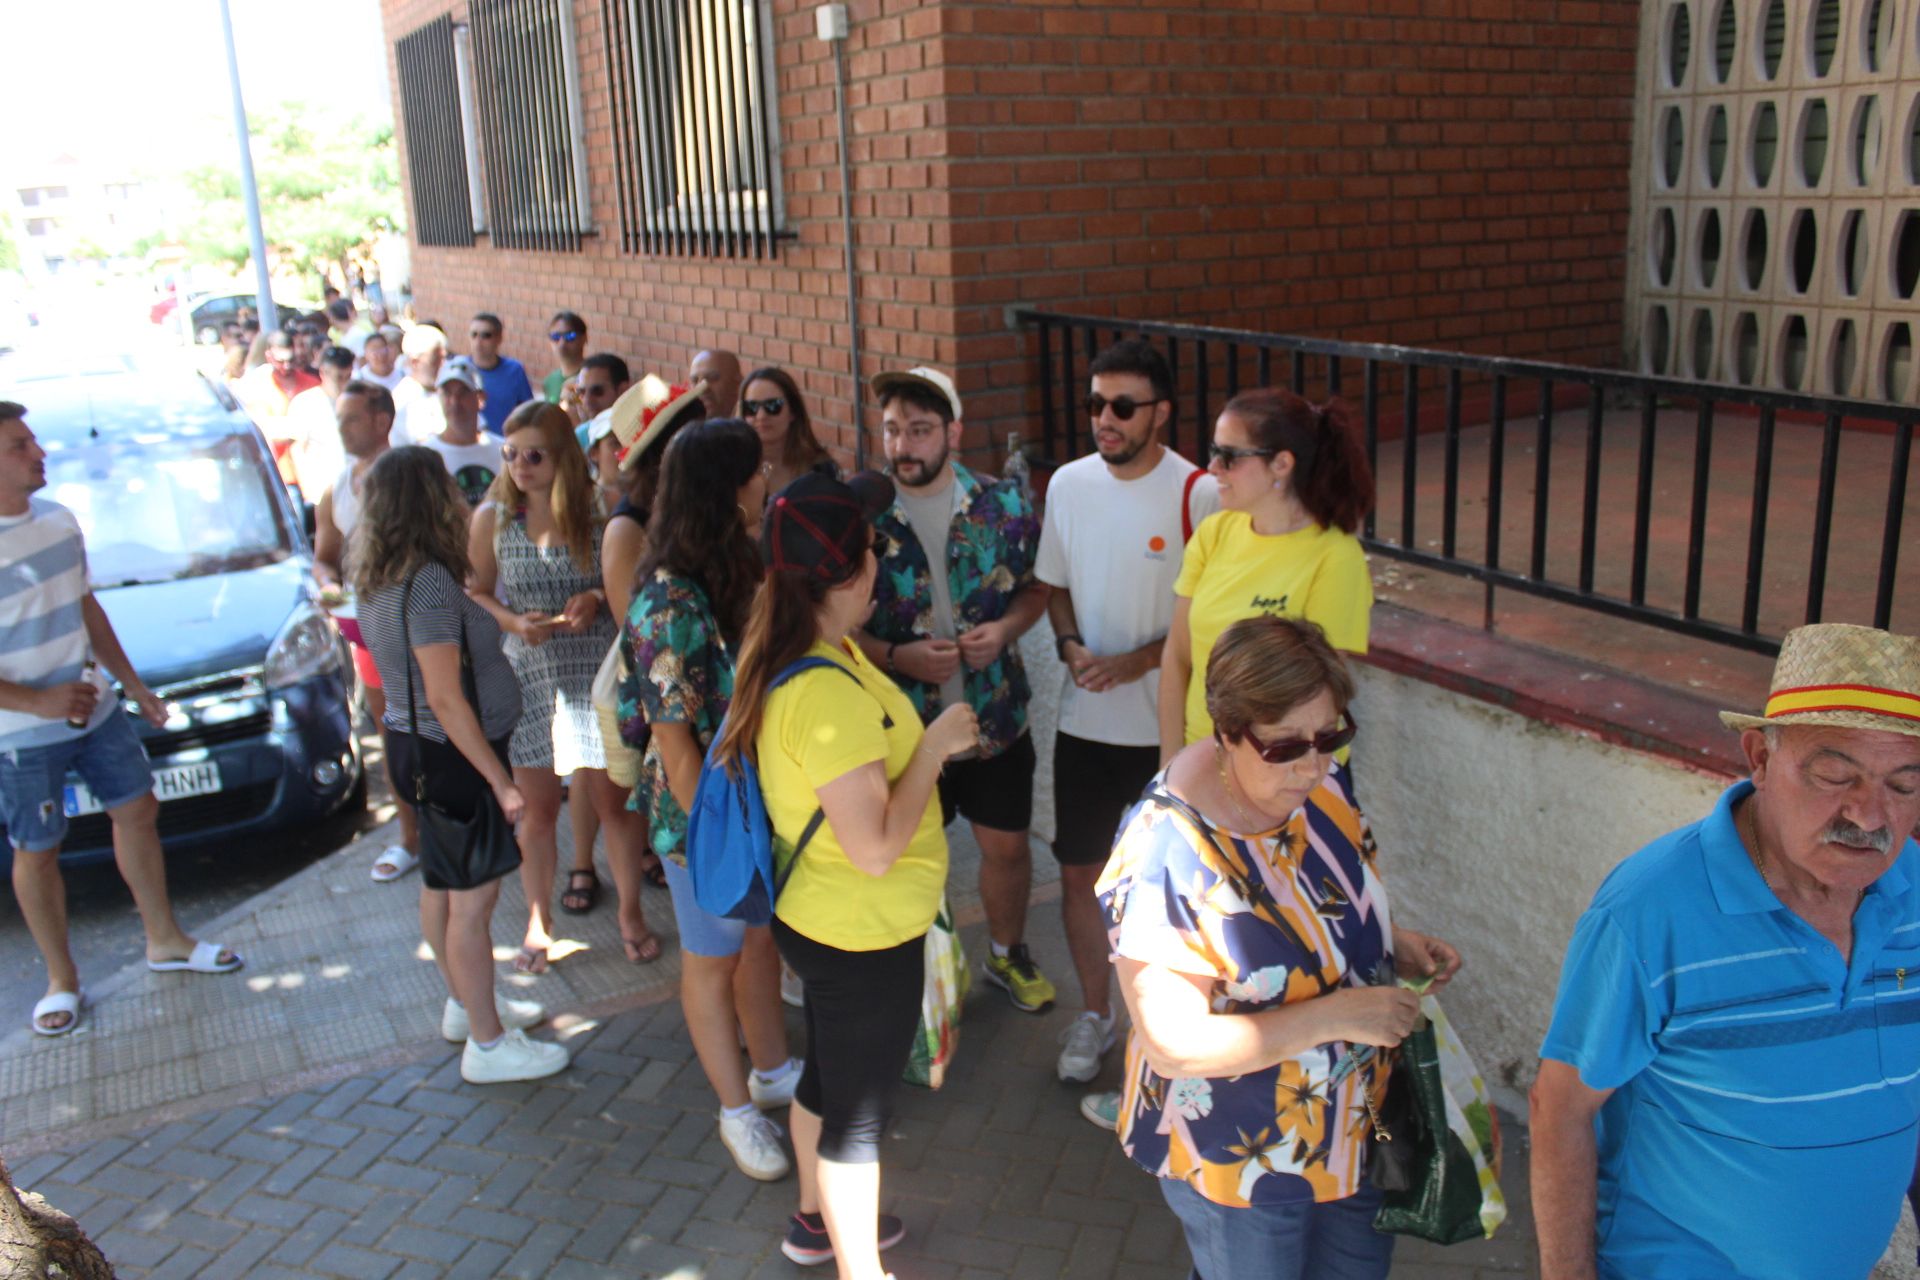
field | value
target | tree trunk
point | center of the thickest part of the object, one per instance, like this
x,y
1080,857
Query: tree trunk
x,y
38,1242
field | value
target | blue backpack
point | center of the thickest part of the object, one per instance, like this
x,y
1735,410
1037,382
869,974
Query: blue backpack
x,y
729,841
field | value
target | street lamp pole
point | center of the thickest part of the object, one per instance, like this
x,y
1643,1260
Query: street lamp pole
x,y
249,190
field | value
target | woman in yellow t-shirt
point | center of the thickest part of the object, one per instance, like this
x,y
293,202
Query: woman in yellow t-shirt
x,y
1294,486
848,776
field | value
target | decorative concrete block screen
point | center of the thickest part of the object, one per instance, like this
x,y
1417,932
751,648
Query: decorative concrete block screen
x,y
1777,195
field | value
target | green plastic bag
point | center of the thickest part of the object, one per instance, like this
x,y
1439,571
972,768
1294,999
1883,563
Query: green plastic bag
x,y
1455,1192
942,993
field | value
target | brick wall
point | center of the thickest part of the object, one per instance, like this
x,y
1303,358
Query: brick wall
x,y
1451,173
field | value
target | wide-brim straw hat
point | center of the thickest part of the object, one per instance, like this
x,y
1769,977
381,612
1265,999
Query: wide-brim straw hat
x,y
1843,676
643,413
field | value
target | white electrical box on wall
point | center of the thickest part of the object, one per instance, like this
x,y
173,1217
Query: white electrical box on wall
x,y
830,22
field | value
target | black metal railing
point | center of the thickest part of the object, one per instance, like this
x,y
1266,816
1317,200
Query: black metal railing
x,y
526,82
1704,522
693,97
436,145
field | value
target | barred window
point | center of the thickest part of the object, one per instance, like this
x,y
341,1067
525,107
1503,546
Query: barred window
x,y
437,118
526,72
695,141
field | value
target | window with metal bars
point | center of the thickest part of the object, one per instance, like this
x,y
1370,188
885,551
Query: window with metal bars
x,y
695,139
527,85
436,122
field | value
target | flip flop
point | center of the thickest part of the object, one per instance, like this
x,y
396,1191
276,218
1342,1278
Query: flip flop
x,y
643,950
528,957
71,1003
205,959
590,895
394,863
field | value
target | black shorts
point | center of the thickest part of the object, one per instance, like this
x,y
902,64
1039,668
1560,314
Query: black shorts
x,y
996,792
452,783
1094,784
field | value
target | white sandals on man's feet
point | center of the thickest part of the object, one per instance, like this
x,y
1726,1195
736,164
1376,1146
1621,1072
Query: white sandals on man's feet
x,y
205,959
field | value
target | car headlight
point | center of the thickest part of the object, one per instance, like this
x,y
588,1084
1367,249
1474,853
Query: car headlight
x,y
307,646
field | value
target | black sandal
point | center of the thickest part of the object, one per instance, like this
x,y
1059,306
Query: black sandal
x,y
576,901
655,874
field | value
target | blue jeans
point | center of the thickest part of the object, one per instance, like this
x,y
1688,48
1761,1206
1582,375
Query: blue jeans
x,y
1333,1240
33,780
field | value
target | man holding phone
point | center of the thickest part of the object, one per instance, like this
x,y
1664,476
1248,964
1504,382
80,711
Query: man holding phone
x,y
55,716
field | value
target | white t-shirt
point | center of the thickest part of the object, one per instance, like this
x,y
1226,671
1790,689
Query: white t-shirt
x,y
419,420
1115,545
391,382
315,429
473,466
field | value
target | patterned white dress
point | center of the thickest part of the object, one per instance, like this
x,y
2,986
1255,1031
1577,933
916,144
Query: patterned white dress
x,y
557,729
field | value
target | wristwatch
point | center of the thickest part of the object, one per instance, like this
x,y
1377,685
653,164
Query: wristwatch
x,y
1060,643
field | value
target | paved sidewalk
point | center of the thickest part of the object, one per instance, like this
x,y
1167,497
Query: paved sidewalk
x,y
613,1168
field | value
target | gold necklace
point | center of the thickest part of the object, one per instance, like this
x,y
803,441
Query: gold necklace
x,y
1751,839
1254,825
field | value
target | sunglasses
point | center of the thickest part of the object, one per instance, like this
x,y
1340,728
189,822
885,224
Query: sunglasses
x,y
571,335
771,405
1123,406
1294,748
533,457
1226,455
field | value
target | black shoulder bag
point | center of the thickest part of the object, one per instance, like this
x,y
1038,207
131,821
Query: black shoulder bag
x,y
464,852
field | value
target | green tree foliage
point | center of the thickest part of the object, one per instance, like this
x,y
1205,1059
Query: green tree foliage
x,y
9,245
329,184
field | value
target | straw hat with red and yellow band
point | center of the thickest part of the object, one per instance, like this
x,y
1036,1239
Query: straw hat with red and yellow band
x,y
1849,677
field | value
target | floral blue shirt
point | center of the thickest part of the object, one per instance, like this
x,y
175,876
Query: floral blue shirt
x,y
1265,920
679,671
991,548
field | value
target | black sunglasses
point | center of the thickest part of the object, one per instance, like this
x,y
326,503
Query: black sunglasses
x,y
1227,455
1123,406
1294,748
534,457
571,335
771,405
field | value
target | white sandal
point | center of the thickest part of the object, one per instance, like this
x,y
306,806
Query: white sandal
x,y
394,863
71,1003
205,959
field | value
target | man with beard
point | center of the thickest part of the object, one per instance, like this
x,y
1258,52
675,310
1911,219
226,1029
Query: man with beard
x,y
954,594
472,458
1110,549
268,389
1729,1084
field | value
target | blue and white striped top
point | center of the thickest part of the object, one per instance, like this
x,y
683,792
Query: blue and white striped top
x,y
1766,1088
43,636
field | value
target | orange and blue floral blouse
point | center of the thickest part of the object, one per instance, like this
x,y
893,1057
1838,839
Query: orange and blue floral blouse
x,y
1267,919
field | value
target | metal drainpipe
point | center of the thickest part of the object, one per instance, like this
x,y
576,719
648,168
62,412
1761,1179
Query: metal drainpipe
x,y
831,24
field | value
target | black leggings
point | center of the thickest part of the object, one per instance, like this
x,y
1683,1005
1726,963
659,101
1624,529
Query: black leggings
x,y
862,1008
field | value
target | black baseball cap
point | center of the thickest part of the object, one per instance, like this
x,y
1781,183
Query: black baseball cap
x,y
819,525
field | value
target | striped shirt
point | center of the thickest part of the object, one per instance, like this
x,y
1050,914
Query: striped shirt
x,y
43,633
438,612
1766,1088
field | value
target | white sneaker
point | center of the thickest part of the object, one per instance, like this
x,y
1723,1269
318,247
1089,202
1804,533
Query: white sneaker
x,y
515,1015
777,1092
1085,1040
754,1142
792,992
516,1057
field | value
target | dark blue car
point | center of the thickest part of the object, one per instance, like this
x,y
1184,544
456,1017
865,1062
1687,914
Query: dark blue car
x,y
197,554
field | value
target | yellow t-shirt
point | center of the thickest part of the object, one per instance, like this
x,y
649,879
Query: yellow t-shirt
x,y
818,727
1230,572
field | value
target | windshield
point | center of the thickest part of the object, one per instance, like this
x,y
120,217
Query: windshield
x,y
157,509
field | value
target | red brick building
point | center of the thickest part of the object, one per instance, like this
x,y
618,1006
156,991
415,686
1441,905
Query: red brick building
x,y
1447,173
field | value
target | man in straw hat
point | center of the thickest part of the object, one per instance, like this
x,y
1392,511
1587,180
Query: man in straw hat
x,y
1731,1082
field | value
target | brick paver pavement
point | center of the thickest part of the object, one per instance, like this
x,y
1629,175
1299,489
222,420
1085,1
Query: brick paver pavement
x,y
613,1168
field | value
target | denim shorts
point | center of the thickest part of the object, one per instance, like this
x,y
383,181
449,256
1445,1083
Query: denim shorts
x,y
701,932
33,781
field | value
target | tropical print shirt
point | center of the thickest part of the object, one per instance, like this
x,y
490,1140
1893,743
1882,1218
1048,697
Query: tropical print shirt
x,y
1268,920
991,548
679,671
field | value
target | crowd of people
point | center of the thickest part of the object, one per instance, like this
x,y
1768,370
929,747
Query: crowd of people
x,y
492,553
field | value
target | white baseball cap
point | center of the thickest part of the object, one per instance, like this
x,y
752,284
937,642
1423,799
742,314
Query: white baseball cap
x,y
459,369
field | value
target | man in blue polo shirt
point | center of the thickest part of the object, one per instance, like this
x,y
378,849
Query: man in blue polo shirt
x,y
503,378
1731,1084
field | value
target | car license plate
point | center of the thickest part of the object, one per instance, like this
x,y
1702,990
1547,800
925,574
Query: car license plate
x,y
170,783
